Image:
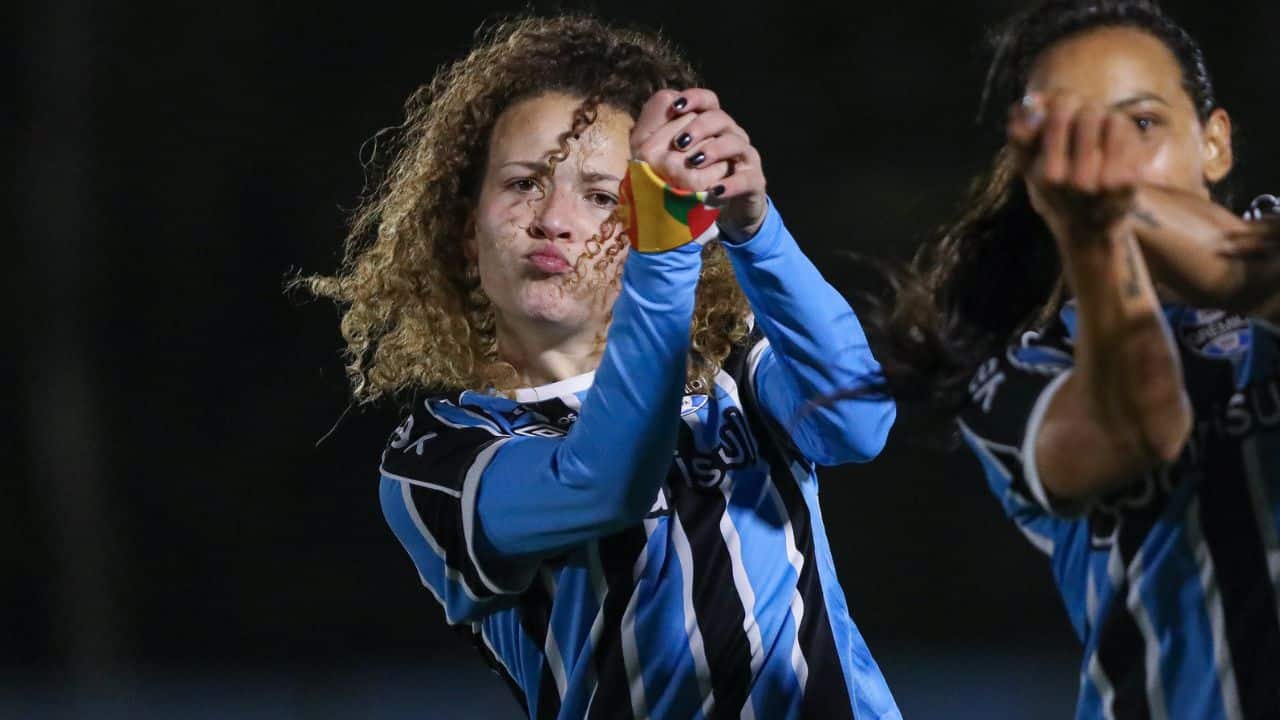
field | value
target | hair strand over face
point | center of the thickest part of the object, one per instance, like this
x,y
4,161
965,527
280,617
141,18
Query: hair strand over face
x,y
414,314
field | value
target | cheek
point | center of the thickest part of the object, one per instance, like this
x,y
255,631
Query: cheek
x,y
1174,160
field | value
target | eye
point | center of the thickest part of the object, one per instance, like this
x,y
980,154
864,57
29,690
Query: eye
x,y
603,199
523,184
1145,123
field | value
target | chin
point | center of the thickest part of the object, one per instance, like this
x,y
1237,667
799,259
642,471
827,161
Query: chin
x,y
553,305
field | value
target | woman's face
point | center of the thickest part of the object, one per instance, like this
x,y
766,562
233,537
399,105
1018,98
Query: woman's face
x,y
532,223
1132,72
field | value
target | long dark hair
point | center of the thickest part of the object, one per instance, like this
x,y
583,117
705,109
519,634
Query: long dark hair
x,y
993,272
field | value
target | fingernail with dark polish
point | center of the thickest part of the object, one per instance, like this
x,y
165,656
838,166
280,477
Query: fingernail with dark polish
x,y
697,158
680,103
684,140
717,190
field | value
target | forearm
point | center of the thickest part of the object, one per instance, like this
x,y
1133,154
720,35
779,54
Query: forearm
x,y
1127,367
818,350
539,497
1186,240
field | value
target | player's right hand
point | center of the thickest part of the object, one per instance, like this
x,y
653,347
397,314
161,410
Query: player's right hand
x,y
1080,160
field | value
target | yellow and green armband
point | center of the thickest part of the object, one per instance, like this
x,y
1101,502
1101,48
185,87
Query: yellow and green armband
x,y
658,217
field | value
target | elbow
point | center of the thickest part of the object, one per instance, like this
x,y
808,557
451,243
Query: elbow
x,y
620,500
625,505
1163,432
855,431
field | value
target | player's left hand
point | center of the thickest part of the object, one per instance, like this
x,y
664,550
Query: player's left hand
x,y
693,144
1259,239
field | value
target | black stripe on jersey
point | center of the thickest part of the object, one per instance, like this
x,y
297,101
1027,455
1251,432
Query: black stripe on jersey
x,y
442,515
472,633
424,449
618,554
716,603
1248,600
535,619
826,695
1122,651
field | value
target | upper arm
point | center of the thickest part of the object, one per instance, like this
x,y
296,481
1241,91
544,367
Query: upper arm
x,y
431,475
850,424
1077,458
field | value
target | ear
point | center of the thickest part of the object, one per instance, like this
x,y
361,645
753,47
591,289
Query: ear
x,y
1218,155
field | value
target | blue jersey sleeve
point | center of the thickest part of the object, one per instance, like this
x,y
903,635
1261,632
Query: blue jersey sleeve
x,y
815,357
478,506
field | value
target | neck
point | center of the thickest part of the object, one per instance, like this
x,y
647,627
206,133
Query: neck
x,y
541,355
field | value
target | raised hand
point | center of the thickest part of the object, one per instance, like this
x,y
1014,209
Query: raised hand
x,y
693,144
1080,162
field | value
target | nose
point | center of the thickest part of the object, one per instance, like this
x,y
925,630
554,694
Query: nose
x,y
553,217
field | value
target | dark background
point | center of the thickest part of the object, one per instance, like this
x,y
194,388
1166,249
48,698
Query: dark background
x,y
176,541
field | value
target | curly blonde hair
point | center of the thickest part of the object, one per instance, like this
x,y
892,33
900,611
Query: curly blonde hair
x,y
414,314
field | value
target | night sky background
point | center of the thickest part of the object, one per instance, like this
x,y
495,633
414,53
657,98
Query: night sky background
x,y
177,540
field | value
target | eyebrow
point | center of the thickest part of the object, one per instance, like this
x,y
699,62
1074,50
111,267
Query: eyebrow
x,y
542,168
1138,98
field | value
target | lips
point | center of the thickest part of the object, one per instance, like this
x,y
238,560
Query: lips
x,y
550,260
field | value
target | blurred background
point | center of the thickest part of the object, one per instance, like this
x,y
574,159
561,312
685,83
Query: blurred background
x,y
177,539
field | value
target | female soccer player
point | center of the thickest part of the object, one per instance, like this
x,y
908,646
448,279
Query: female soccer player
x,y
607,472
1132,429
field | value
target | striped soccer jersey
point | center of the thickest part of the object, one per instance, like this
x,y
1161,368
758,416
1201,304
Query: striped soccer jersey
x,y
1173,584
722,601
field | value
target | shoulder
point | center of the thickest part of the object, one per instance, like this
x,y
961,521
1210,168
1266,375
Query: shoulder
x,y
1025,366
442,433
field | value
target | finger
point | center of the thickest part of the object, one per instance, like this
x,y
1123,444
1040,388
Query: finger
x,y
747,181
1259,239
660,140
708,124
1026,119
1119,168
697,100
657,111
724,147
681,176
1055,141
1086,148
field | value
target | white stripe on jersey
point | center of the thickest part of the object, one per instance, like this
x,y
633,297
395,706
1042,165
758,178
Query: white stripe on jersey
x,y
696,647
733,545
482,422
595,571
983,447
1030,470
1263,509
551,648
470,487
746,594
1213,602
1155,683
796,559
1091,597
1106,692
630,646
450,573
754,357
420,483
